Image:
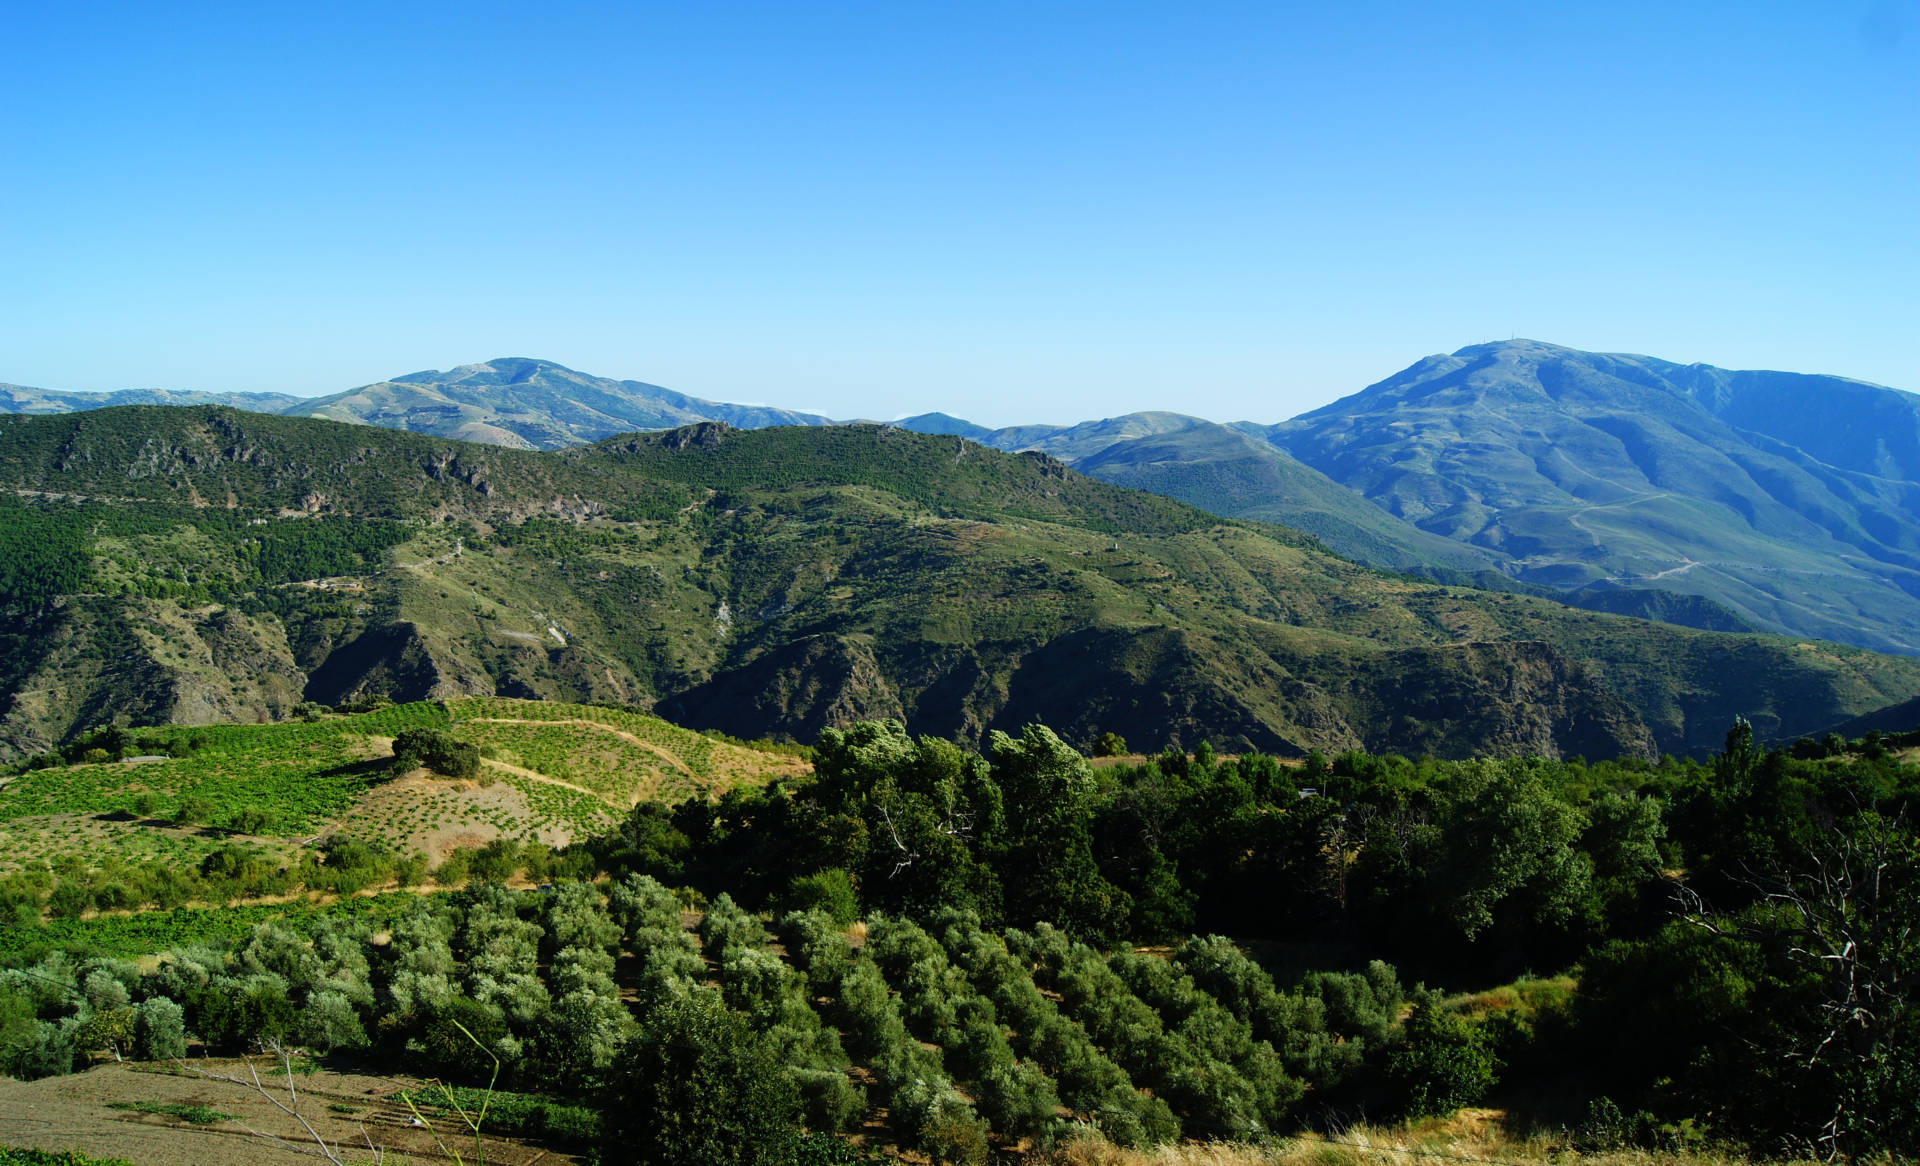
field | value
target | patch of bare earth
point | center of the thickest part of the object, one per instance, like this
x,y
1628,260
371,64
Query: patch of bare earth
x,y
71,1113
421,811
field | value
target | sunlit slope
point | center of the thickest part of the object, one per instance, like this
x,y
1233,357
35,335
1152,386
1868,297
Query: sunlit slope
x,y
778,581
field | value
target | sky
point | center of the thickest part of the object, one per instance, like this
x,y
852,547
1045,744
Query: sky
x,y
1015,213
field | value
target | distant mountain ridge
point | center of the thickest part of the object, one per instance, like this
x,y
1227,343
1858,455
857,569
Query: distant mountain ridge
x,y
1234,475
23,399
531,404
1595,470
1722,499
516,402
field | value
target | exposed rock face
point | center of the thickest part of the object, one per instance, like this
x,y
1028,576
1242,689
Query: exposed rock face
x,y
704,435
140,661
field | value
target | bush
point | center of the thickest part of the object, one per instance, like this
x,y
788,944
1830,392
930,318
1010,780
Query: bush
x,y
1445,1063
727,926
437,750
815,946
830,891
446,1043
159,1032
456,869
193,810
47,1051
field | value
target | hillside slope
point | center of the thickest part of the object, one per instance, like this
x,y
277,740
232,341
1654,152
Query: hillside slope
x,y
1234,475
778,581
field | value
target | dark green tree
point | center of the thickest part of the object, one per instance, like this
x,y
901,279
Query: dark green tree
x,y
698,1088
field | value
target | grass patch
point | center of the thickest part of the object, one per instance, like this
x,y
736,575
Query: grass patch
x,y
199,1115
10,1156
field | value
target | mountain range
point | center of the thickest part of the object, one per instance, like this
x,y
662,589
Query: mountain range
x,y
203,563
1726,500
1729,501
514,401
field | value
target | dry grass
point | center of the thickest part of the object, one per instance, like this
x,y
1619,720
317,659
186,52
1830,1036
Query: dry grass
x,y
1472,1135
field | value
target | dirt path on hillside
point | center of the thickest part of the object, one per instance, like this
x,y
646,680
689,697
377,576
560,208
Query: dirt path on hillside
x,y
542,778
529,774
659,751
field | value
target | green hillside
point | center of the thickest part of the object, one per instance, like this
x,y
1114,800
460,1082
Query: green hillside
x,y
217,565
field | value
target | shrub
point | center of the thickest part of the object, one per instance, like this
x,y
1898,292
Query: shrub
x,y
815,946
445,1045
1444,1064
193,810
437,750
830,891
159,1031
47,1051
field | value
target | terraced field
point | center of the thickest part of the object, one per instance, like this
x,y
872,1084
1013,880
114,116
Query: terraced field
x,y
550,773
618,756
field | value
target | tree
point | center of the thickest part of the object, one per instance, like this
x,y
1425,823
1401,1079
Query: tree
x,y
1046,862
697,1088
437,750
159,1031
1830,1053
830,891
1445,1063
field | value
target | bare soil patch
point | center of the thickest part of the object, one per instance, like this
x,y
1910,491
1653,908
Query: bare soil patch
x,y
71,1113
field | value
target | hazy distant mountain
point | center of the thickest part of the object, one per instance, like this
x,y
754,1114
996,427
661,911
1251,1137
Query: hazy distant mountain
x,y
513,401
21,399
943,425
530,404
1793,501
1687,493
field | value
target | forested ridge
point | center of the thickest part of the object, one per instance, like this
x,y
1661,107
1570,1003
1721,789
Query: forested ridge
x,y
979,955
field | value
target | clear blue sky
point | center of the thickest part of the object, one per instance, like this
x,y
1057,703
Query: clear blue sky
x,y
1013,212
